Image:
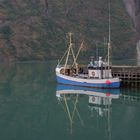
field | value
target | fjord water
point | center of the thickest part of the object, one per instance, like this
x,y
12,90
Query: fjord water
x,y
30,109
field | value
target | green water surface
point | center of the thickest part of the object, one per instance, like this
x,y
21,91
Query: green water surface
x,y
30,109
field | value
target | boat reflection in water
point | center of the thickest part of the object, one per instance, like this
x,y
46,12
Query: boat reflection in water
x,y
99,102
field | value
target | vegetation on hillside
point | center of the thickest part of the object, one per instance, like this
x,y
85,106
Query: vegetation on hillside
x,y
36,29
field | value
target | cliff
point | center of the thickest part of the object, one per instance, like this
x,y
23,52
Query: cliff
x,y
133,9
36,29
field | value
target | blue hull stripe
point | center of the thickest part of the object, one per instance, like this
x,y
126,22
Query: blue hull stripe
x,y
70,87
102,85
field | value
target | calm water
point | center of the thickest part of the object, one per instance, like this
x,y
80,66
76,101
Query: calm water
x,y
34,107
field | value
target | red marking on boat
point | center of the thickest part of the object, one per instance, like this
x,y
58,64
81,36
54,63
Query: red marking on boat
x,y
108,82
107,94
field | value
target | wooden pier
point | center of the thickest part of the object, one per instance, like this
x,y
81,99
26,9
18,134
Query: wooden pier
x,y
130,75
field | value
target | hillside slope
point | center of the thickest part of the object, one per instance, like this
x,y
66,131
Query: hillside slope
x,y
36,29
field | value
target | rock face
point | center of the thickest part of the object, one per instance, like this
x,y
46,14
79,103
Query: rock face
x,y
133,9
130,7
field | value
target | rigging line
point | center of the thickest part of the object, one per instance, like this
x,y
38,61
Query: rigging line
x,y
74,107
66,61
68,111
74,58
63,107
81,46
63,56
64,53
82,122
78,114
69,49
73,55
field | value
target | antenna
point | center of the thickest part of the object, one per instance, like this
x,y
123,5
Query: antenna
x,y
109,31
109,21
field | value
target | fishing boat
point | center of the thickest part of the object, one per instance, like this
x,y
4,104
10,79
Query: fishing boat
x,y
95,74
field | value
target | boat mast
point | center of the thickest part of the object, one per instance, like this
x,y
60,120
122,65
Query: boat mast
x,y
70,52
109,39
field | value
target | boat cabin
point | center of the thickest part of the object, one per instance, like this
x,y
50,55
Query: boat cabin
x,y
99,69
96,70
